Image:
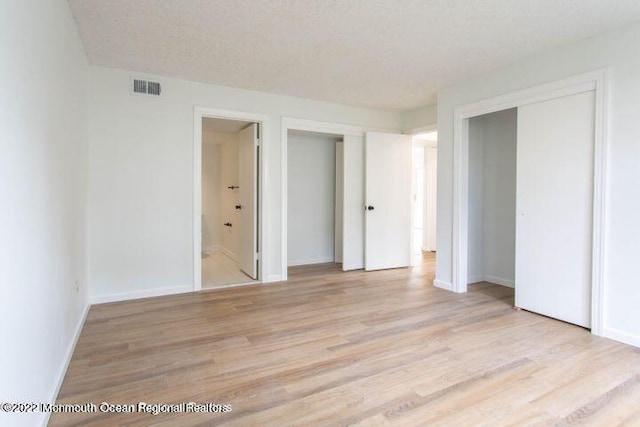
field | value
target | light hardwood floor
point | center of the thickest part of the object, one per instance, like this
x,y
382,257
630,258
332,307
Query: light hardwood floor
x,y
329,349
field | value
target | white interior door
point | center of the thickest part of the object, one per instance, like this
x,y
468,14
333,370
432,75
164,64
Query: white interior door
x,y
353,202
339,205
554,205
248,192
388,201
430,197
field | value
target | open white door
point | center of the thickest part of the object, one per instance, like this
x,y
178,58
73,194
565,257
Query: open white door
x,y
353,201
554,206
388,200
248,191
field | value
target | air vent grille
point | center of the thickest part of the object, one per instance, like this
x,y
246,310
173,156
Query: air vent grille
x,y
153,88
144,87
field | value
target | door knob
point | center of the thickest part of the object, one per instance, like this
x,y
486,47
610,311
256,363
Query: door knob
x,y
370,208
238,207
228,224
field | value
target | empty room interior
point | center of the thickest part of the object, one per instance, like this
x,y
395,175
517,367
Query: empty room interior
x,y
312,213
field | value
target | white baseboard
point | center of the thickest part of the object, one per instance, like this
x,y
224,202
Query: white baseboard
x,y
310,261
492,279
499,281
65,363
475,279
443,285
623,337
124,296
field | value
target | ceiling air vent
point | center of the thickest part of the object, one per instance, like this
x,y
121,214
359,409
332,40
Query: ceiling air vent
x,y
145,87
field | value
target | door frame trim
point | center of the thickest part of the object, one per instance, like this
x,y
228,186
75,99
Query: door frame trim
x,y
598,81
200,112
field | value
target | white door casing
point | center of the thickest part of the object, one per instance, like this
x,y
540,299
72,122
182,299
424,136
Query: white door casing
x,y
248,225
554,207
387,200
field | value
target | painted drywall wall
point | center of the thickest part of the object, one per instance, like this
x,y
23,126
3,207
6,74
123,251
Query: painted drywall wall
x,y
43,171
141,177
618,52
500,196
230,241
492,197
219,172
311,184
420,118
476,202
211,191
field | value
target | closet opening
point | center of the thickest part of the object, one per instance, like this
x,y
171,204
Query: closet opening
x,y
526,199
314,198
492,200
230,202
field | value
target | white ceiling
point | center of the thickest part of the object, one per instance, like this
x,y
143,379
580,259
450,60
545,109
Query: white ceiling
x,y
375,53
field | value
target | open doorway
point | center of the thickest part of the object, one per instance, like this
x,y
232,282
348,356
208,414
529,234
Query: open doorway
x,y
314,200
492,198
230,199
424,195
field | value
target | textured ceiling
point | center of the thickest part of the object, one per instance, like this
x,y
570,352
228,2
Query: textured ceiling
x,y
375,53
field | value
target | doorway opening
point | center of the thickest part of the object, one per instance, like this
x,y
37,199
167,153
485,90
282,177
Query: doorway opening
x,y
492,198
230,203
314,198
424,194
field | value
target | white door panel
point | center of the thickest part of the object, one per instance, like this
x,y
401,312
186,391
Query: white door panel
x,y
554,206
248,180
339,203
353,202
388,200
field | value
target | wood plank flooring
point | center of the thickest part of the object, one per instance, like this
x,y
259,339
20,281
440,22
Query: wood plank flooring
x,y
333,349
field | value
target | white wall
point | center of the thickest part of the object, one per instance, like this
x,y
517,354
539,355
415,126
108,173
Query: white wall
x,y
500,196
618,51
423,117
141,176
211,191
43,164
219,172
311,197
476,202
230,241
492,197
